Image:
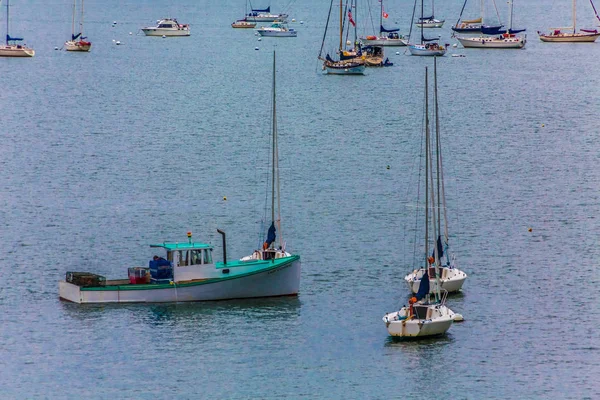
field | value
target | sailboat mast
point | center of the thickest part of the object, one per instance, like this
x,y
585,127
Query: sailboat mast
x,y
7,19
274,145
341,25
73,21
422,37
380,17
426,171
574,15
433,216
442,192
437,149
81,21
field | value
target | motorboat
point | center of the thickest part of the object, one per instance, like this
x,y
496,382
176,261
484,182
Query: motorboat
x,y
277,29
243,24
167,27
187,273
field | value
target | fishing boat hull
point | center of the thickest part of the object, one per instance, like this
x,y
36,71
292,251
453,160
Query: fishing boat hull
x,y
451,280
486,42
278,33
430,24
78,45
16,51
423,50
165,32
344,68
569,37
403,323
280,277
384,41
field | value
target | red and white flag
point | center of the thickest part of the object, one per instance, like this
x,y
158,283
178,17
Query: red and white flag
x,y
385,15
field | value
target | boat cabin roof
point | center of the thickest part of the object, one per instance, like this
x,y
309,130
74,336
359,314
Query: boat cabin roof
x,y
182,246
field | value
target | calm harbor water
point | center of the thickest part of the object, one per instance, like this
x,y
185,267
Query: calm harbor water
x,y
106,152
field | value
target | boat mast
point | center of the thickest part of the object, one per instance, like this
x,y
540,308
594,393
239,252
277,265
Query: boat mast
x,y
426,172
381,18
433,216
422,37
274,145
341,27
73,22
574,14
510,16
7,19
442,188
81,22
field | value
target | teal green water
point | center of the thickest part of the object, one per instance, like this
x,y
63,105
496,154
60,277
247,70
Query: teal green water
x,y
107,152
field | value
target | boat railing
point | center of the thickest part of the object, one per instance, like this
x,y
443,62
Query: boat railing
x,y
444,296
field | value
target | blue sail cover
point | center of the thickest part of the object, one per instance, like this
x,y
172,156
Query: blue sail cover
x,y
425,18
382,29
271,234
73,37
268,9
428,40
423,287
8,38
440,249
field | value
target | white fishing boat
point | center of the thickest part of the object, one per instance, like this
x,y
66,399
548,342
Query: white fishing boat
x,y
444,275
386,37
78,42
570,34
351,61
277,29
264,15
425,316
11,48
506,40
427,46
167,27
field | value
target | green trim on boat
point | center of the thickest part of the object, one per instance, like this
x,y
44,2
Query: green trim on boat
x,y
261,266
182,246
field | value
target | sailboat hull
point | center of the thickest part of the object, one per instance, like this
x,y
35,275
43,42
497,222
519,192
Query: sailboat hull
x,y
435,24
384,41
487,42
343,68
423,50
451,280
570,37
401,323
77,46
16,51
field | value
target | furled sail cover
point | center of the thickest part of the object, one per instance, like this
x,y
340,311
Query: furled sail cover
x,y
271,234
382,29
8,38
268,9
423,286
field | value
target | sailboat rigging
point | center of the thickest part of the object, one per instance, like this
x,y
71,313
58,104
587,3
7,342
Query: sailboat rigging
x,y
431,21
77,42
386,37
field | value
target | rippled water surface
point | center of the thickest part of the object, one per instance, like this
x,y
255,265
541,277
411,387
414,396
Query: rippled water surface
x,y
106,152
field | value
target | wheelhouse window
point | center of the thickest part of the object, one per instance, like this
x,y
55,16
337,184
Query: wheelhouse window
x,y
208,256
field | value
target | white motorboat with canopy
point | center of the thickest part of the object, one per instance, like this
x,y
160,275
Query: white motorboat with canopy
x,y
167,27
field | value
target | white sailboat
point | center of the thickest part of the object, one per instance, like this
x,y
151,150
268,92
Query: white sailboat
x,y
351,62
386,37
444,275
570,33
425,316
506,40
431,21
427,47
477,25
11,48
77,42
268,250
